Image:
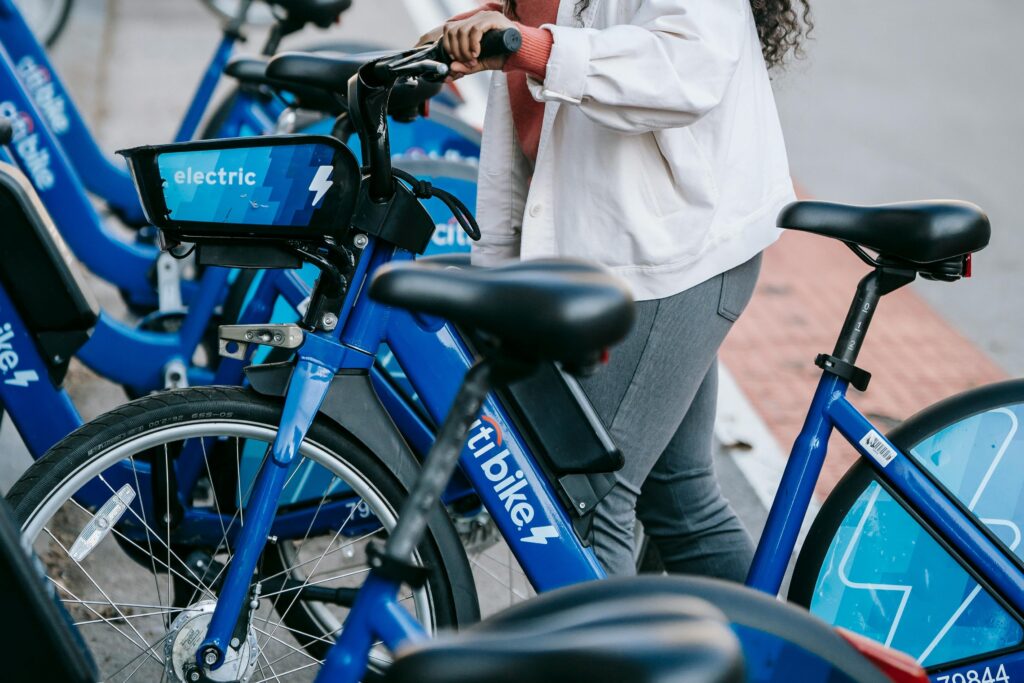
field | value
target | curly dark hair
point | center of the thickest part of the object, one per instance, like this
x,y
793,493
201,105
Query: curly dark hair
x,y
781,25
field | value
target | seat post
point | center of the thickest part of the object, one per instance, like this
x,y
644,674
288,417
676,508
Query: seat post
x,y
872,287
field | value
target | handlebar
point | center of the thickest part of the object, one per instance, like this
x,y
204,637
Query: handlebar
x,y
432,62
370,89
494,44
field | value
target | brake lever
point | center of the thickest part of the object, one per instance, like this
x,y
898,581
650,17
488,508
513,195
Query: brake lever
x,y
428,69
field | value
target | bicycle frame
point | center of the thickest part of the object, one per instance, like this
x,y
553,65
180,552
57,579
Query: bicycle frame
x,y
44,414
831,410
496,460
101,175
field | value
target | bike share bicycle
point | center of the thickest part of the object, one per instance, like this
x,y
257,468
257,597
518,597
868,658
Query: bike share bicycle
x,y
161,351
649,637
918,547
131,482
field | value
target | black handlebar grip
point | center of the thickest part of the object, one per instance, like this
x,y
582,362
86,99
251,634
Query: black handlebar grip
x,y
500,43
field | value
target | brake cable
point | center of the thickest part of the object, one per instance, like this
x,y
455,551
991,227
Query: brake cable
x,y
425,190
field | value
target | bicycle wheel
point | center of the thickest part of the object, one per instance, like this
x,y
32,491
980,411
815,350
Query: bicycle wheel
x,y
871,566
140,594
46,18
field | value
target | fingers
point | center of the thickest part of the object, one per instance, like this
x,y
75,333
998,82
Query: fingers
x,y
460,69
462,39
430,36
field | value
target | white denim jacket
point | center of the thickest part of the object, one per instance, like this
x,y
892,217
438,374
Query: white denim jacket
x,y
661,154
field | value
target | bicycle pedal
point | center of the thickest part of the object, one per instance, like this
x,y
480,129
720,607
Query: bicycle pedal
x,y
235,339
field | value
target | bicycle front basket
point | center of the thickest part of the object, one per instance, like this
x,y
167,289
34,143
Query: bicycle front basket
x,y
286,187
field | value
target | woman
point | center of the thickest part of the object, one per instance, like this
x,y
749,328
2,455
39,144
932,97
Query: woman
x,y
643,134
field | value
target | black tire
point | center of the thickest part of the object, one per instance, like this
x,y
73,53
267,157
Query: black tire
x,y
450,586
906,436
48,35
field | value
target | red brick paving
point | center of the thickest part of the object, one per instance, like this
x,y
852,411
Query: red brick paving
x,y
806,286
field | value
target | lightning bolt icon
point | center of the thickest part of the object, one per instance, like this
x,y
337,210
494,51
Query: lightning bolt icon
x,y
22,378
321,183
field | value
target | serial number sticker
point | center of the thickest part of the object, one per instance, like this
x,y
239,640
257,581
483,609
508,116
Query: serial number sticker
x,y
876,446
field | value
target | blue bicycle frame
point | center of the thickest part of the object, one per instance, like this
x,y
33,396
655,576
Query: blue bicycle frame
x,y
101,175
521,501
495,460
831,409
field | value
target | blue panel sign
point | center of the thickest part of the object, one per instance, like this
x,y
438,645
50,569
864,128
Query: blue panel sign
x,y
293,187
281,185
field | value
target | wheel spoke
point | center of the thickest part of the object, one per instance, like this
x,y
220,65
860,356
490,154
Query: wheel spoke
x,y
94,611
197,585
304,538
149,542
95,585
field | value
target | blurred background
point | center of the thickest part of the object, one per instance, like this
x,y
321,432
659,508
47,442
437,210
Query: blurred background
x,y
891,101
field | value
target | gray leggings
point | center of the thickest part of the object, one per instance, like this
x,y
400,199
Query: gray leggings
x,y
658,397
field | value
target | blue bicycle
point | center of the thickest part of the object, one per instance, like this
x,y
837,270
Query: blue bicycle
x,y
55,149
240,522
652,633
161,351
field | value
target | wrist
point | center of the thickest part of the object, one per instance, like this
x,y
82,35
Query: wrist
x,y
533,56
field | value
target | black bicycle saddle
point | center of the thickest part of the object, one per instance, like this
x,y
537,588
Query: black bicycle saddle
x,y
331,72
322,13
599,638
253,71
557,310
918,232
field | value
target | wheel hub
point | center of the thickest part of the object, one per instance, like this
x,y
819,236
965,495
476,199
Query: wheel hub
x,y
188,632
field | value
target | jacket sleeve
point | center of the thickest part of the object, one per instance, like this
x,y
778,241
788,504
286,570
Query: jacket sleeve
x,y
666,68
503,182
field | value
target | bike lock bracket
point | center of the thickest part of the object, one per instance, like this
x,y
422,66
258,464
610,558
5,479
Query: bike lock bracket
x,y
857,377
388,567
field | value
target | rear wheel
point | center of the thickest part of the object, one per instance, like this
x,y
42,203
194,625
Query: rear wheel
x,y
871,566
136,587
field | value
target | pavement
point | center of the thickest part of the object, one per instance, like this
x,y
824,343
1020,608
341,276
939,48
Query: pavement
x,y
893,102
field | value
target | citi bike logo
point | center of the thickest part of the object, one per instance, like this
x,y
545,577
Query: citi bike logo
x,y
34,158
485,444
50,102
9,361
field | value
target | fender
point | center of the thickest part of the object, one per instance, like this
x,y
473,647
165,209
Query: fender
x,y
351,404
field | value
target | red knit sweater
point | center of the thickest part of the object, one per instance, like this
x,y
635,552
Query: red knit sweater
x,y
532,59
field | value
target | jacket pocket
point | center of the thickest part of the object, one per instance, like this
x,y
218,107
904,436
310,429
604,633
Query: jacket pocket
x,y
685,177
738,288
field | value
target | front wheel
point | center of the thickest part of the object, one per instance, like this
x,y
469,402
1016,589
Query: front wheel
x,y
871,566
134,514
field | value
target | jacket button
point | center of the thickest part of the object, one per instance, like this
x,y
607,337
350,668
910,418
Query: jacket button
x,y
536,210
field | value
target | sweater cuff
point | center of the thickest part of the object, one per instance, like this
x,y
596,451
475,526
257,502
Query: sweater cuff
x,y
533,56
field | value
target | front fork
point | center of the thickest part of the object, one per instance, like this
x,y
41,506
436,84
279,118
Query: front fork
x,y
318,360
